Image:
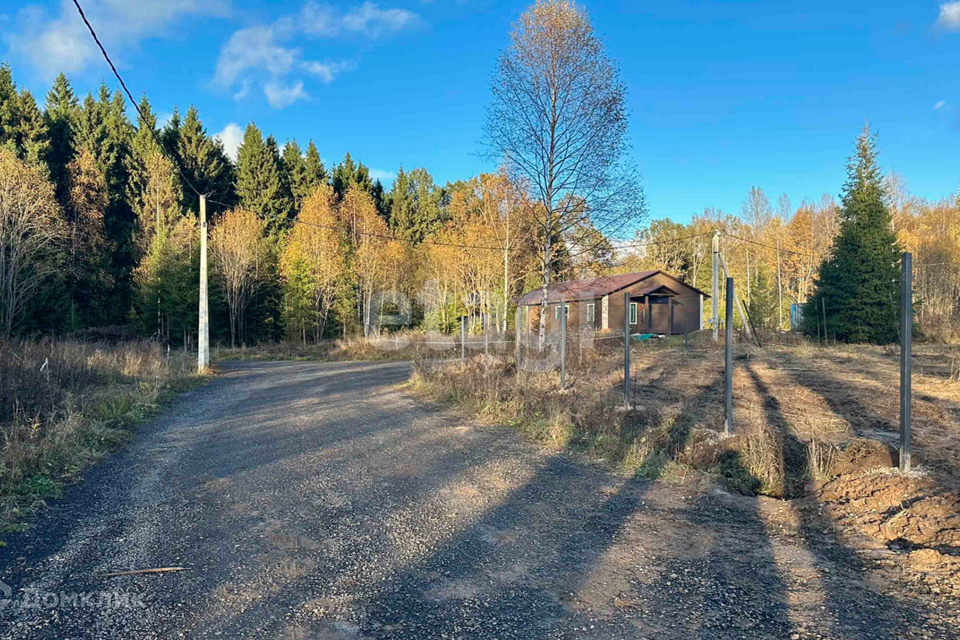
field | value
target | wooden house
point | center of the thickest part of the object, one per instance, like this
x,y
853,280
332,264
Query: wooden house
x,y
654,302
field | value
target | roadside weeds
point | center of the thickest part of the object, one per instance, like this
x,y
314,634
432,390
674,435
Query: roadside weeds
x,y
65,405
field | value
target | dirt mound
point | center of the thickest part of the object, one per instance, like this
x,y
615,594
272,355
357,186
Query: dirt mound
x,y
912,514
905,511
864,455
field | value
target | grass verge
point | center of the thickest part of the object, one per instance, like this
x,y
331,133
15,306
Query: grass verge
x,y
64,405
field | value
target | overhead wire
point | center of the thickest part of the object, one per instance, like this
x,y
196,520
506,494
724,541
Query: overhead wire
x,y
768,246
143,119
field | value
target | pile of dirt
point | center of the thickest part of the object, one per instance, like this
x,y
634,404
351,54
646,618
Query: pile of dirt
x,y
862,455
914,515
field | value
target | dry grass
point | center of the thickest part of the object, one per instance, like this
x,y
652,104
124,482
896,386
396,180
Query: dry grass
x,y
64,405
798,408
407,345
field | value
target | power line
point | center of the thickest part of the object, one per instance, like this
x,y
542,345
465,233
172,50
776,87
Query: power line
x,y
760,244
378,235
130,97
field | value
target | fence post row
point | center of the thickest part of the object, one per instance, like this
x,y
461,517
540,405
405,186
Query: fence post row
x,y
563,344
728,374
906,360
626,350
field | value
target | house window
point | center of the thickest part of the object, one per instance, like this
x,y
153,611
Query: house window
x,y
591,313
556,312
633,313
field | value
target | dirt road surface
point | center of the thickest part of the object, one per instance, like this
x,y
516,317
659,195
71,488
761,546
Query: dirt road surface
x,y
316,500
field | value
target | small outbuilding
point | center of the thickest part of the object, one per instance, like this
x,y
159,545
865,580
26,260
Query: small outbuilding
x,y
658,303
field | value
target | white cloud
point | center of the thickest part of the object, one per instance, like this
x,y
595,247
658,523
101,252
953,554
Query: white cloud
x,y
61,42
319,20
280,96
253,48
949,15
373,21
231,137
383,176
268,54
940,105
327,71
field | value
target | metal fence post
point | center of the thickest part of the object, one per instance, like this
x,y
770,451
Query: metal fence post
x,y
463,340
728,374
906,360
486,340
626,350
516,330
563,344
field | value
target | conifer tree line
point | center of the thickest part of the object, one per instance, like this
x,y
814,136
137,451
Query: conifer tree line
x,y
97,228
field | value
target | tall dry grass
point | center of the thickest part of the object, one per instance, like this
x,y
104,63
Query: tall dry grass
x,y
403,345
64,404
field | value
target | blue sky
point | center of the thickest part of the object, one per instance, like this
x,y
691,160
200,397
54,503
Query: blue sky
x,y
722,96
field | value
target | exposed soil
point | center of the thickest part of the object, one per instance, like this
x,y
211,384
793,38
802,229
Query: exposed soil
x,y
914,516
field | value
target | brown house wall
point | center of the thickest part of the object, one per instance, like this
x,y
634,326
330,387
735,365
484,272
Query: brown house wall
x,y
573,317
690,310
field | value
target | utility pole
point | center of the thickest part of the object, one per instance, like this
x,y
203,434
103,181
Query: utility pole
x,y
203,339
715,292
737,302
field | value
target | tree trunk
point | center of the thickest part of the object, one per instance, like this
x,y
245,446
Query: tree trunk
x,y
547,248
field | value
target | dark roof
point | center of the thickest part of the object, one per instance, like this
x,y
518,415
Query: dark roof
x,y
653,289
595,287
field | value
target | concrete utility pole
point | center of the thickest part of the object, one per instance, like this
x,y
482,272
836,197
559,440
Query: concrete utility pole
x,y
203,337
715,293
737,303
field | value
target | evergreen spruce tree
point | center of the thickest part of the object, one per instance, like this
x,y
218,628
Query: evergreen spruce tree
x,y
9,109
344,175
170,135
295,175
91,129
22,127
416,205
205,162
763,300
316,174
61,114
400,204
259,188
859,283
119,219
32,136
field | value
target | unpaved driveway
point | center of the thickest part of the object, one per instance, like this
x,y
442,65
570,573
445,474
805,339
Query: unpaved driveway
x,y
314,500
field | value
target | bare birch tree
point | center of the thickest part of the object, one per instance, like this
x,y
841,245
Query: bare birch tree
x,y
238,247
31,226
558,122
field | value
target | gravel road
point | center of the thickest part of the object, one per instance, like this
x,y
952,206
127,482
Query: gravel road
x,y
317,500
